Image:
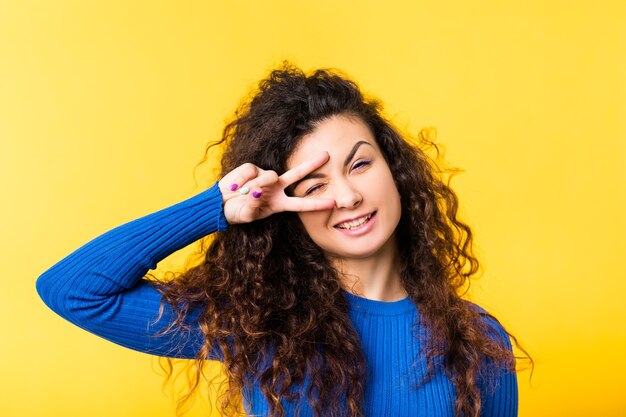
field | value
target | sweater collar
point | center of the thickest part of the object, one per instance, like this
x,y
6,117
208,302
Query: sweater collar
x,y
381,308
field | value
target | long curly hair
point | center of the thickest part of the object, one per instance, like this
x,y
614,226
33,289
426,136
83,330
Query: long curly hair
x,y
269,298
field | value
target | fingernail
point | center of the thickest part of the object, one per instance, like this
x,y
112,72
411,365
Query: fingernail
x,y
244,190
233,187
256,194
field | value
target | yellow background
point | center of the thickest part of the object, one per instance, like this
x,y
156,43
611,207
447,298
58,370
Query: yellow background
x,y
105,108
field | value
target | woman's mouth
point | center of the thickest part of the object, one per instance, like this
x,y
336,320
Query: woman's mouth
x,y
355,224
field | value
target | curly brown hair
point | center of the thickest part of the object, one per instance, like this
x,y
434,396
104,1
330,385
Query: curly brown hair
x,y
265,290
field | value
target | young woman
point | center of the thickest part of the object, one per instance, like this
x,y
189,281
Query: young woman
x,y
330,285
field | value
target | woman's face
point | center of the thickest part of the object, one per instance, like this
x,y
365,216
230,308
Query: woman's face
x,y
367,203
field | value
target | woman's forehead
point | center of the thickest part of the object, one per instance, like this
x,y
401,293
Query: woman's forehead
x,y
337,135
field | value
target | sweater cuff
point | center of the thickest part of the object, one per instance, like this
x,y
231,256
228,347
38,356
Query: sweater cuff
x,y
222,223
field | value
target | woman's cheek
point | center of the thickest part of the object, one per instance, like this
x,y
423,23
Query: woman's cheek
x,y
316,224
313,220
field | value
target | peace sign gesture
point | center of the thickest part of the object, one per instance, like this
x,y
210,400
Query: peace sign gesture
x,y
251,193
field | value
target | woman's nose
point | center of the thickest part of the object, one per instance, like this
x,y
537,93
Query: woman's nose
x,y
346,195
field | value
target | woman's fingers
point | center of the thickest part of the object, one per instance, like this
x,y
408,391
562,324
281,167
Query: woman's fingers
x,y
265,179
251,193
300,171
250,176
236,179
242,191
308,204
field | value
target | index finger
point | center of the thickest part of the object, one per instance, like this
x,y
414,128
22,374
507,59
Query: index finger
x,y
302,170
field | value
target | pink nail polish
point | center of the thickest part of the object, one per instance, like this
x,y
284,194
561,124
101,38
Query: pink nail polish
x,y
233,187
256,194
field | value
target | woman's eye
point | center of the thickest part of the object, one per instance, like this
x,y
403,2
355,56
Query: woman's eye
x,y
360,164
316,187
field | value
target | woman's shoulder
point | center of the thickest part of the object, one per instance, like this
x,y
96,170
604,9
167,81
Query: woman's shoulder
x,y
495,329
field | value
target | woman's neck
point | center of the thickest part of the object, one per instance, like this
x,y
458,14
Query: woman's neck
x,y
376,277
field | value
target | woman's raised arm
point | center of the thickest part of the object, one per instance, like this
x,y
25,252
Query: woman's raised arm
x,y
99,286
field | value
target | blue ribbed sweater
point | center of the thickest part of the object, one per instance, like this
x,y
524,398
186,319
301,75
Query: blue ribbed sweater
x,y
99,287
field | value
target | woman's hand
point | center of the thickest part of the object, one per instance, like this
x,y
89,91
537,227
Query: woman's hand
x,y
251,193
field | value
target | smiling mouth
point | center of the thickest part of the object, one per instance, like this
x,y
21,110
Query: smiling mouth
x,y
356,223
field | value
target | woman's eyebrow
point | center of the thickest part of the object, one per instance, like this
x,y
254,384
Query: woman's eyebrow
x,y
353,151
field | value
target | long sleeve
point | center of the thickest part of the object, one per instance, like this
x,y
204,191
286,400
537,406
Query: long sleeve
x,y
99,286
500,399
503,401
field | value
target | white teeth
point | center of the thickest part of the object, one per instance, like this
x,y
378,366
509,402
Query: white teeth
x,y
351,225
